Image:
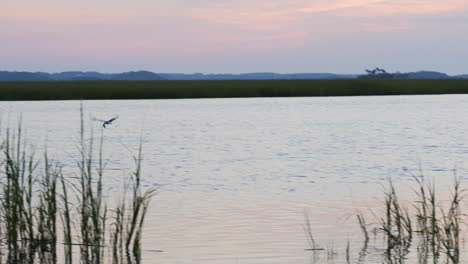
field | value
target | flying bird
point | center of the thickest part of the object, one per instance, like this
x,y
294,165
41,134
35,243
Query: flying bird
x,y
106,122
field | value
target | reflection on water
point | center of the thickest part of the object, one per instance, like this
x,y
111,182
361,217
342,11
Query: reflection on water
x,y
238,174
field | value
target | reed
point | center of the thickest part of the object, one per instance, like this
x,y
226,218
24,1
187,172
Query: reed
x,y
451,223
307,227
427,216
130,216
432,220
396,224
438,223
363,226
48,210
66,217
41,208
92,211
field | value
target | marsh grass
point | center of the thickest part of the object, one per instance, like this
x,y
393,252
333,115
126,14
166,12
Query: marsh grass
x,y
440,227
41,208
76,90
396,224
437,226
431,225
307,227
129,217
363,226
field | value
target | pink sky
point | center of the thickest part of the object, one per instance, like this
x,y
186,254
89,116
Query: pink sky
x,y
215,36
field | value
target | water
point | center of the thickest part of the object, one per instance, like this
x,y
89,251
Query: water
x,y
237,175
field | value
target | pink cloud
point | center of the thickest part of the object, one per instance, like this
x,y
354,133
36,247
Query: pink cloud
x,y
310,19
385,28
399,7
106,28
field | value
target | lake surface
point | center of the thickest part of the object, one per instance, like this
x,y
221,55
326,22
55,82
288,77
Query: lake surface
x,y
237,176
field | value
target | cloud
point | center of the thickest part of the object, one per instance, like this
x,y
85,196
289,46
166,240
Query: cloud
x,y
274,14
90,12
308,20
385,28
180,29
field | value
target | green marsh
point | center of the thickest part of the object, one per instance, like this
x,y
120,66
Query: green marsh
x,y
72,90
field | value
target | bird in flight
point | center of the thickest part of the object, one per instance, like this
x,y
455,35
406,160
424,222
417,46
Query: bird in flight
x,y
106,122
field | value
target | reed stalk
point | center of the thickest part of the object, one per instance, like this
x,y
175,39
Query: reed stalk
x,y
130,216
41,209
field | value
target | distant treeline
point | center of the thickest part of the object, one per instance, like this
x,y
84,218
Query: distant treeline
x,y
377,73
70,90
151,76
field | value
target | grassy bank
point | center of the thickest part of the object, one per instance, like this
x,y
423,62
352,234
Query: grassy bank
x,y
218,89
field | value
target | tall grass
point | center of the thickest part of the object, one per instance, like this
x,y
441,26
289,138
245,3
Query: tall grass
x,y
438,222
437,225
396,224
307,227
440,227
41,208
431,225
130,216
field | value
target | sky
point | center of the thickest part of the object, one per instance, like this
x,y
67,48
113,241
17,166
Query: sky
x,y
234,36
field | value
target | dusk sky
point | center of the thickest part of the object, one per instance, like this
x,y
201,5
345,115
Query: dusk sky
x,y
234,36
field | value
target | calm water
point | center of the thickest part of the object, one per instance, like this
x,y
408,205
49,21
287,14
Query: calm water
x,y
237,175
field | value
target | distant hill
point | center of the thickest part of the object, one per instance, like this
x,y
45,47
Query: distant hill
x,y
426,75
463,76
408,75
24,76
147,75
255,76
78,76
138,76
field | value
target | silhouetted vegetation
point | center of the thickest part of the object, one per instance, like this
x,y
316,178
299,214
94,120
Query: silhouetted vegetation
x,y
219,89
379,73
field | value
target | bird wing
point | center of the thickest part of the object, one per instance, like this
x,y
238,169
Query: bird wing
x,y
112,119
97,119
